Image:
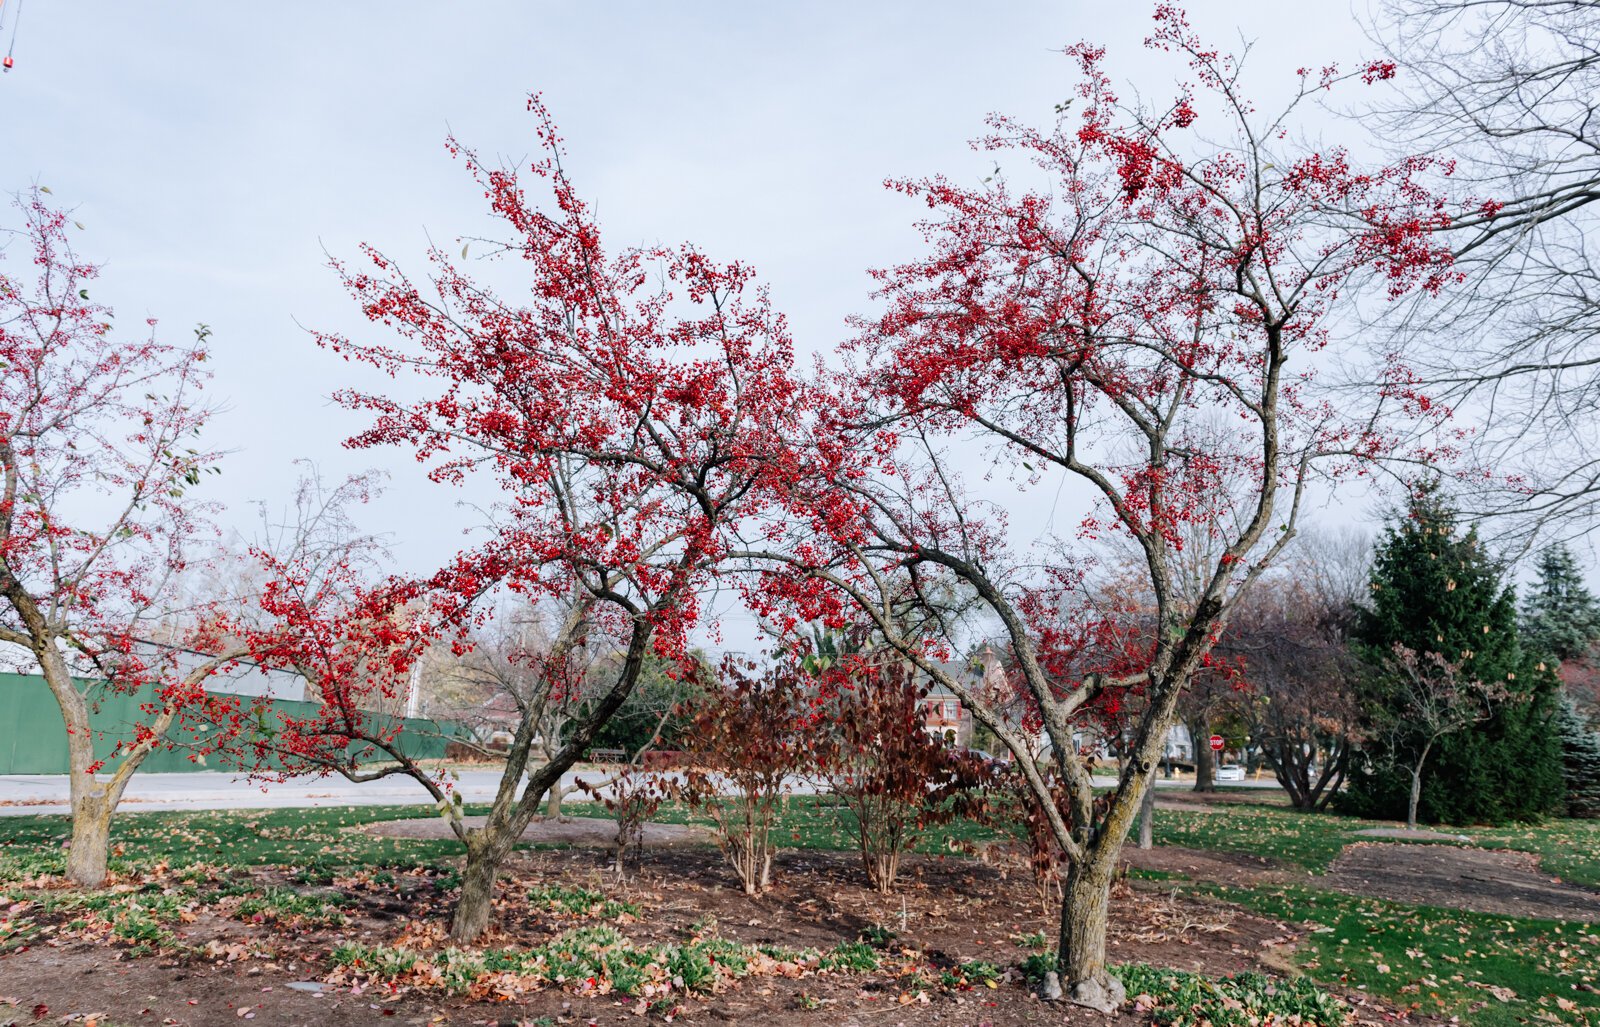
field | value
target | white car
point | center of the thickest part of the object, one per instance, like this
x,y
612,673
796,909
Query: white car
x,y
1230,772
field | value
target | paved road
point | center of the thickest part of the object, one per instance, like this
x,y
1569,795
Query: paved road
x,y
28,794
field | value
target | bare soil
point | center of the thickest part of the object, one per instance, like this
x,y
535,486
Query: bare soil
x,y
948,910
1235,868
1406,834
1481,880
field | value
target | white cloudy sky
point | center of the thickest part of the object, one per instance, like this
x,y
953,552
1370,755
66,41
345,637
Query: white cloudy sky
x,y
215,150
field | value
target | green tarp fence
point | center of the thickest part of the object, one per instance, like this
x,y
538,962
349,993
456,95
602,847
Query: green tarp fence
x,y
33,737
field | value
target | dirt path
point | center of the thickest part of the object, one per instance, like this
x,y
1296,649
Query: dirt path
x,y
1236,868
595,832
1481,880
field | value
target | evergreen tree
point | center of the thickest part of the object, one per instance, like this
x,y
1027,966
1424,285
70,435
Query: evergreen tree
x,y
1435,590
1580,759
1561,618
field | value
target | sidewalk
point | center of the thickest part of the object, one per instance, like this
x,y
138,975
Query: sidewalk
x,y
27,795
24,795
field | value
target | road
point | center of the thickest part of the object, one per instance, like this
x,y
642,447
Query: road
x,y
22,795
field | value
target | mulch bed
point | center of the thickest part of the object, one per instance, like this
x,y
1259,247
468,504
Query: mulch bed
x,y
947,911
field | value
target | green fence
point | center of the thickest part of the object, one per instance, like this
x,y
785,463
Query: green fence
x,y
33,737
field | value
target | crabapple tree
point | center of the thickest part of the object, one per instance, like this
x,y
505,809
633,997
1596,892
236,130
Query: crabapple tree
x,y
1146,323
98,451
629,406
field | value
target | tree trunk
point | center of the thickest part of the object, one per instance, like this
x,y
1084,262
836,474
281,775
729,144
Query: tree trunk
x,y
476,904
552,808
93,801
1331,787
91,837
1081,957
1205,764
488,846
1416,788
1147,816
1290,767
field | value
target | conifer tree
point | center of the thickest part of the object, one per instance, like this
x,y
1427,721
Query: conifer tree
x,y
1580,762
1435,590
1560,618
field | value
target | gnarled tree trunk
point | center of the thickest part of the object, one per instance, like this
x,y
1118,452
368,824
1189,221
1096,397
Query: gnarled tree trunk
x,y
93,801
91,836
489,845
1082,958
485,852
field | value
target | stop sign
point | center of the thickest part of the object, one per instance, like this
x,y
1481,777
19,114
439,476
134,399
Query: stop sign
x,y
1216,743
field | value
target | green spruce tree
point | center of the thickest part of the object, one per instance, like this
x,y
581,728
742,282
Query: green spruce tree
x,y
1435,589
1560,617
1561,623
1580,762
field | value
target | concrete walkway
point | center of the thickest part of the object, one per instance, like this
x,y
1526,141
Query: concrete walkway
x,y
24,795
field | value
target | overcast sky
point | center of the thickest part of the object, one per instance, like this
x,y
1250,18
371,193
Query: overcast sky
x,y
215,151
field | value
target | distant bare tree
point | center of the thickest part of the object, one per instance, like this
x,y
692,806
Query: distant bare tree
x,y
1431,699
1509,91
507,679
1299,706
1293,634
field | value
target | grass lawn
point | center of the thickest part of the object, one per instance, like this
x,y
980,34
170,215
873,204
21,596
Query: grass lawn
x,y
1569,849
324,837
1309,840
289,837
1489,970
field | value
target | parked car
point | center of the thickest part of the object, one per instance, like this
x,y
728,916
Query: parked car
x,y
1230,772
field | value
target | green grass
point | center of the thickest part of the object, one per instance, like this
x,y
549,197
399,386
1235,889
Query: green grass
x,y
323,837
283,837
1309,840
1442,960
1569,848
818,822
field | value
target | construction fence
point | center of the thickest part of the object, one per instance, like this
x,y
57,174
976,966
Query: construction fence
x,y
33,737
